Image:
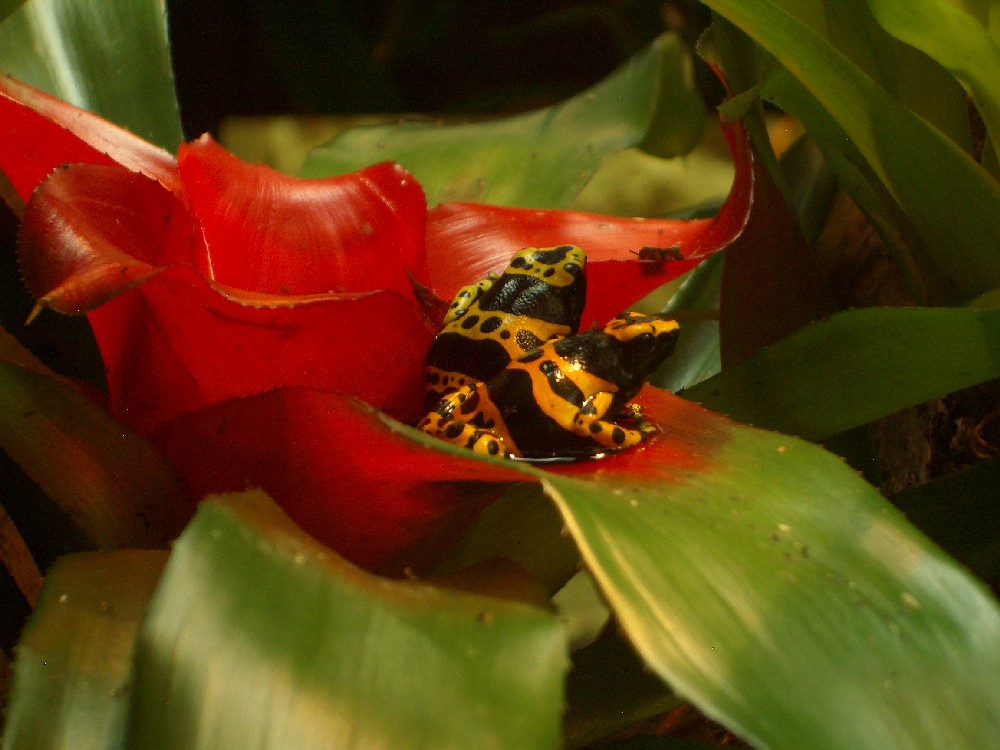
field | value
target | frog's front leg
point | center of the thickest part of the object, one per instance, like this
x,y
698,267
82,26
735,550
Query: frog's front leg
x,y
590,422
465,297
451,421
633,412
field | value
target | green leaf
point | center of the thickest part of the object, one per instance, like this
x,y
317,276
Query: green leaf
x,y
916,81
750,569
635,183
696,306
541,158
813,385
955,39
16,558
845,108
112,483
111,57
9,6
522,526
260,637
73,666
780,592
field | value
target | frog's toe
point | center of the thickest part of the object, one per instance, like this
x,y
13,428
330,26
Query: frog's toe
x,y
486,443
648,429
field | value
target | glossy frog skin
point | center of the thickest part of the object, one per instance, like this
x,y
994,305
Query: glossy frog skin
x,y
563,399
538,298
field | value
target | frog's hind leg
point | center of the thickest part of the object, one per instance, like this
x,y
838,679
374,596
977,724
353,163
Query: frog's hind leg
x,y
463,434
442,424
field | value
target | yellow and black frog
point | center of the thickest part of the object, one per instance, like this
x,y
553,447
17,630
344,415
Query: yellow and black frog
x,y
538,298
567,397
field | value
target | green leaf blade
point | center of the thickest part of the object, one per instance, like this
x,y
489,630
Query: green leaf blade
x,y
73,666
696,356
894,360
9,6
762,578
916,81
956,40
942,191
543,158
783,595
112,483
112,58
310,652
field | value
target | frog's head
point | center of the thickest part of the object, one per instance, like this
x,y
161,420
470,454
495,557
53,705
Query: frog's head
x,y
560,266
644,341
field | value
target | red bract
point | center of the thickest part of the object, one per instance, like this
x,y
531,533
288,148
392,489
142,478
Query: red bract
x,y
43,132
239,311
484,237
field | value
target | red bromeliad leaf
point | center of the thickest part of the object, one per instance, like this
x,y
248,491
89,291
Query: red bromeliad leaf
x,y
271,233
482,238
362,485
685,445
49,133
74,258
377,497
760,306
177,343
465,241
173,341
195,341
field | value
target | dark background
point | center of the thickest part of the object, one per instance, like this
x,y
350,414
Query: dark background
x,y
233,57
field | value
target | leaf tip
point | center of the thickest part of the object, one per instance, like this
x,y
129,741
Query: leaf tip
x,y
35,311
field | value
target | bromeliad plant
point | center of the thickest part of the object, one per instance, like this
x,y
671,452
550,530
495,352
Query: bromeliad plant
x,y
225,296
263,339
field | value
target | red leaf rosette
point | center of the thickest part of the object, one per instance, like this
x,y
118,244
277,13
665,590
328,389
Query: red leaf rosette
x,y
254,325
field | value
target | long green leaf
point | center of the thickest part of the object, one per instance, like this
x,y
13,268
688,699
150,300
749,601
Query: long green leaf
x,y
955,39
950,200
696,356
73,666
9,6
542,158
781,593
112,483
260,637
16,558
916,81
857,366
522,526
751,569
111,57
